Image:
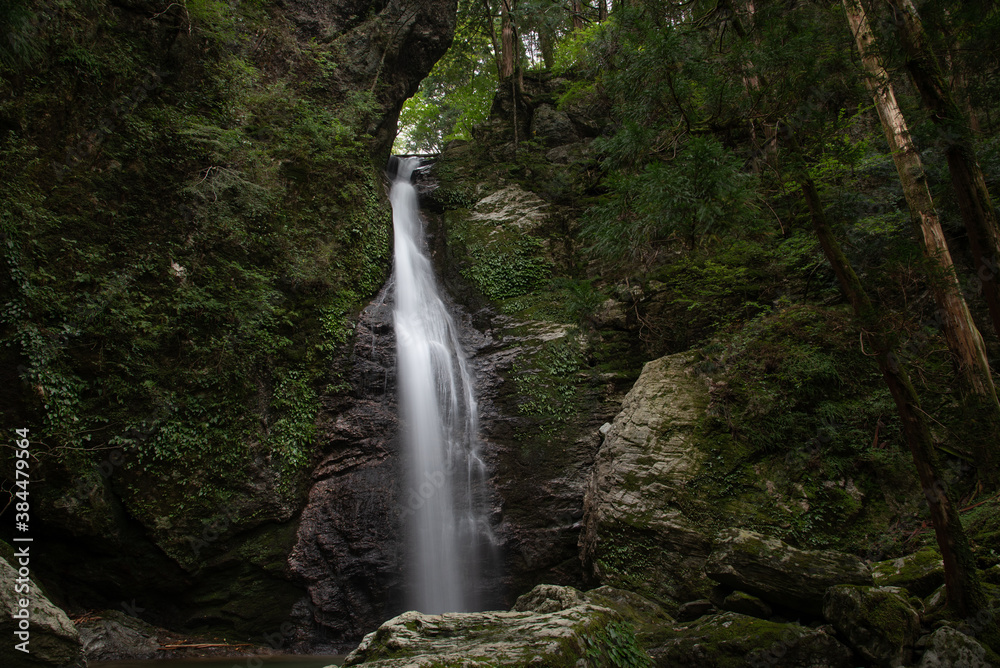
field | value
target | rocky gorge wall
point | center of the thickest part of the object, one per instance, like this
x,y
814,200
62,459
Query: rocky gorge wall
x,y
192,216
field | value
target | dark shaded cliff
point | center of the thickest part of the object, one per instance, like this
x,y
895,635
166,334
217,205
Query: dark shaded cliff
x,y
191,217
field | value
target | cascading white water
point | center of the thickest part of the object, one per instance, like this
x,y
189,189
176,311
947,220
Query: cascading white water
x,y
445,515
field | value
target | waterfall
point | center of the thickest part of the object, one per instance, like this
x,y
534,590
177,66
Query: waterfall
x,y
445,512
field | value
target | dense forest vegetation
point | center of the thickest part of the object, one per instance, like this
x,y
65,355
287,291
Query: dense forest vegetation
x,y
768,157
796,193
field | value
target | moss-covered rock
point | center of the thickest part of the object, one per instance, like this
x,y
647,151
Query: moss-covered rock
x,y
780,573
920,573
731,640
646,617
878,622
947,647
636,535
583,635
746,604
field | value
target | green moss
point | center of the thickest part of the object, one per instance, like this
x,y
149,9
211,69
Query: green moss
x,y
800,439
500,262
183,254
982,525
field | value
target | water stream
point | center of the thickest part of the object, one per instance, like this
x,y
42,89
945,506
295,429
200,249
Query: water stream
x,y
446,511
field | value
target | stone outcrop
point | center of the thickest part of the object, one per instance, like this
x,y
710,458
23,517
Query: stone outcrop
x,y
550,626
385,47
731,640
348,549
878,622
920,573
946,648
780,573
50,639
115,636
218,543
636,534
497,242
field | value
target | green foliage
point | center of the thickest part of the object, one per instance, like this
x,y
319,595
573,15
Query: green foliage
x,y
700,192
21,38
179,278
796,399
547,383
457,93
615,645
503,263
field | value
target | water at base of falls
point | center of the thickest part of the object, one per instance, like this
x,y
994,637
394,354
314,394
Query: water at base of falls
x,y
445,493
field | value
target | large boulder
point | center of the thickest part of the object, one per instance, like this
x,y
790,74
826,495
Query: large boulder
x,y
636,536
780,573
878,622
582,635
947,647
49,637
552,127
115,636
920,573
732,640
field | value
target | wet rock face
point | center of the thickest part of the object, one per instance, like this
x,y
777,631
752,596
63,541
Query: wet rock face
x,y
348,550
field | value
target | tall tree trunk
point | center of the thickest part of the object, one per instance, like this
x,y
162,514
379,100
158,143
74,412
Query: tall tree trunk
x,y
964,340
508,50
576,9
602,10
964,590
971,193
546,44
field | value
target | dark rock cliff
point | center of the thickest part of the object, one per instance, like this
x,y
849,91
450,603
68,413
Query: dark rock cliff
x,y
192,217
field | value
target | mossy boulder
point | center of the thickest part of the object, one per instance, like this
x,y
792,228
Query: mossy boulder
x,y
635,533
878,622
947,647
780,573
920,573
583,635
115,636
746,604
732,640
646,617
549,598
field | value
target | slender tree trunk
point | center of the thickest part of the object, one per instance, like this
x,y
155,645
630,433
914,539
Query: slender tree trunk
x,y
546,44
576,9
964,590
971,193
602,10
497,49
964,340
508,51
